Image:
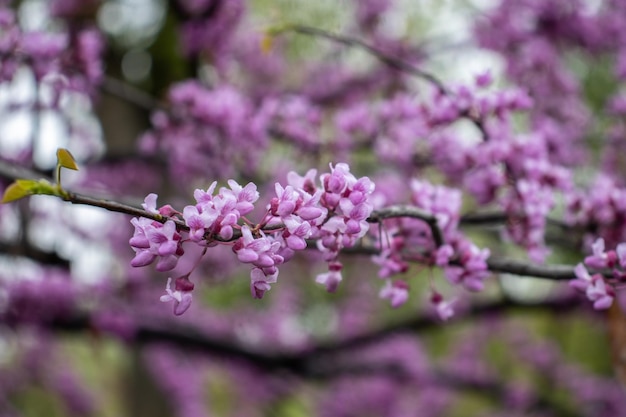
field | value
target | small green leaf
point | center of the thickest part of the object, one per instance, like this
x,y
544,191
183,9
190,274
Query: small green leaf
x,y
14,192
66,160
23,188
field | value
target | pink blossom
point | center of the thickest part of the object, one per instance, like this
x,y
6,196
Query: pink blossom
x,y
601,294
443,308
152,240
601,259
332,278
181,296
594,286
397,292
260,282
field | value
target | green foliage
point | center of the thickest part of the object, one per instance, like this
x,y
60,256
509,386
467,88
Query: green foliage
x,y
23,188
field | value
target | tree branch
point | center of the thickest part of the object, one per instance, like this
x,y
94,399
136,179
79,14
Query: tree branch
x,y
307,362
521,268
390,61
409,211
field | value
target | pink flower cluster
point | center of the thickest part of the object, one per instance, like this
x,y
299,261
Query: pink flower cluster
x,y
597,287
48,54
334,213
153,240
412,239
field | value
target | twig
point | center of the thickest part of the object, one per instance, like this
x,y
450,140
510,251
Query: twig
x,y
409,211
390,61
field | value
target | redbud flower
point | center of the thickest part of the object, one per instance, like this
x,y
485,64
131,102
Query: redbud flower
x,y
153,239
260,282
621,254
332,278
397,292
601,295
443,308
600,258
181,296
594,287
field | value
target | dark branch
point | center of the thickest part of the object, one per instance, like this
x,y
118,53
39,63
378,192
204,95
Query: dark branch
x,y
24,249
130,93
409,211
307,363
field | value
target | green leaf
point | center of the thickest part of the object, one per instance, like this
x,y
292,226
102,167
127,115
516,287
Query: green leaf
x,y
23,188
66,160
14,192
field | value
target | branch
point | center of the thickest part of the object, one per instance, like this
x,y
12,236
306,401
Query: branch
x,y
409,211
308,363
507,266
390,61
521,268
500,217
426,323
131,94
526,269
24,249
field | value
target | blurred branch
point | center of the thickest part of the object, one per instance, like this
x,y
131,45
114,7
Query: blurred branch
x,y
526,269
24,249
424,322
500,217
308,362
131,94
390,61
323,361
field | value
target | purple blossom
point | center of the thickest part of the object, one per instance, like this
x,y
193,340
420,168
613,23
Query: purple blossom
x,y
153,240
181,296
601,259
473,270
261,251
443,308
397,292
332,278
260,282
594,286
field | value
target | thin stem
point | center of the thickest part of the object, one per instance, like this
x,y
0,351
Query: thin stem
x,y
390,61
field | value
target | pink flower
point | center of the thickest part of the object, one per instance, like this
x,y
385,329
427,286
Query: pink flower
x,y
332,278
260,282
397,292
583,279
181,296
601,295
198,221
260,252
621,254
245,196
601,259
594,286
443,308
152,240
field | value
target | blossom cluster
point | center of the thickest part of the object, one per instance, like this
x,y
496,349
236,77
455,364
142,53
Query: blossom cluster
x,y
48,54
409,239
334,213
